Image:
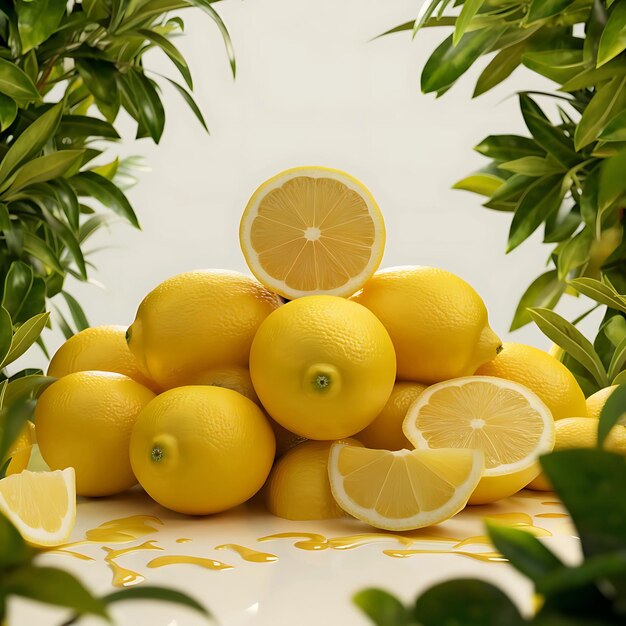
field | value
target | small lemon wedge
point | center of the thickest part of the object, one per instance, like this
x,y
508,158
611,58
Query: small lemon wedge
x,y
41,505
404,489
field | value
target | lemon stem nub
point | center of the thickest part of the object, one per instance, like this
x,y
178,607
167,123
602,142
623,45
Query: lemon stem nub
x,y
157,454
499,349
127,335
322,381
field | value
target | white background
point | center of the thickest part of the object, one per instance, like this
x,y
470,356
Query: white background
x,y
311,88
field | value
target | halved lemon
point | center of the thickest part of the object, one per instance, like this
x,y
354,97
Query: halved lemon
x,y
41,505
505,420
404,489
312,230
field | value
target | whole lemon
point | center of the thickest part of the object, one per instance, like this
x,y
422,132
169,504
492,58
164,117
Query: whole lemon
x,y
437,322
581,432
84,421
20,450
541,373
595,403
323,366
201,449
385,432
101,348
298,487
198,321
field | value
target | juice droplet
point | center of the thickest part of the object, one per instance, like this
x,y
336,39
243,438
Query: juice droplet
x,y
489,557
478,540
124,530
552,515
122,576
183,540
513,519
248,554
312,541
76,555
355,541
182,559
552,503
114,554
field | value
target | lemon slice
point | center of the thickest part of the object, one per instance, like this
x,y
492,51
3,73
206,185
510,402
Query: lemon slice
x,y
312,230
402,490
505,420
41,505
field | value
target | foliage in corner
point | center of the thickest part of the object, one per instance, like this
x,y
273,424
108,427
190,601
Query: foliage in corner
x,y
566,174
592,486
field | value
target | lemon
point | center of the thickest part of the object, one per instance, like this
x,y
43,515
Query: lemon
x,y
201,449
312,230
541,373
323,366
41,505
437,322
198,321
403,490
20,450
84,421
581,432
505,420
386,430
101,348
595,403
298,487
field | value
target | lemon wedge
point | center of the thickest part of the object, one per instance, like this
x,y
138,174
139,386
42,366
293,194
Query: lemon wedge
x,y
503,419
312,230
404,489
41,505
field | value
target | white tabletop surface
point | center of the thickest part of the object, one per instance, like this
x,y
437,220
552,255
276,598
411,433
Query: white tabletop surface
x,y
299,588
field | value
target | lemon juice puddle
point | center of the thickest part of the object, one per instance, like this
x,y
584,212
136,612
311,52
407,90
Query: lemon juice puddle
x,y
184,559
122,576
248,554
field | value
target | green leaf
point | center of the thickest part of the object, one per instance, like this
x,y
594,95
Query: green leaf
x,y
73,126
25,336
24,388
574,253
594,76
483,183
508,195
13,549
103,190
613,411
42,251
76,311
615,130
549,137
599,292
17,284
36,301
67,200
155,593
382,608
108,170
8,111
100,78
571,340
543,9
448,62
45,168
52,586
499,68
191,103
618,360
532,166
6,333
524,551
149,108
613,39
475,603
14,416
556,65
508,147
425,13
608,101
542,199
31,141
469,10
16,84
544,291
37,20
171,51
583,478
5,217
612,183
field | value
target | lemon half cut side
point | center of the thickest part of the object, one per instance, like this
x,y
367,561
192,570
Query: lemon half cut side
x,y
312,230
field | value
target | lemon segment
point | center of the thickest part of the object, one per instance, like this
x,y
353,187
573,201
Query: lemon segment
x,y
312,230
403,490
503,419
41,505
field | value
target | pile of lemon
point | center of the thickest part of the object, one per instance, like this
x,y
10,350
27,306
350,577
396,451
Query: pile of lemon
x,y
325,386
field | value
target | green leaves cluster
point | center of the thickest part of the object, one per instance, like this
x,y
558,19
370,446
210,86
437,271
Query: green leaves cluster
x,y
592,485
564,177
